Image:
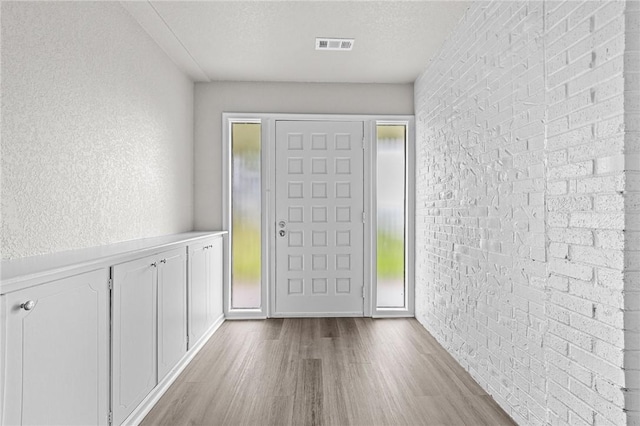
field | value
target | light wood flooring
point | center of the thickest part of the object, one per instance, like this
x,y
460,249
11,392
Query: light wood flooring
x,y
325,371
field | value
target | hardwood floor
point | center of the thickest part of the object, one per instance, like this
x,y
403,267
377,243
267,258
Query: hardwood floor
x,y
325,371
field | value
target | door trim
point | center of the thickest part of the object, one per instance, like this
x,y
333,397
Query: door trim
x,y
268,133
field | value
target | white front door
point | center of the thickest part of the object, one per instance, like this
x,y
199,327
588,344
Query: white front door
x,y
319,227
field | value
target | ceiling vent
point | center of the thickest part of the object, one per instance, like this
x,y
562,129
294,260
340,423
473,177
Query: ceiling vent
x,y
334,43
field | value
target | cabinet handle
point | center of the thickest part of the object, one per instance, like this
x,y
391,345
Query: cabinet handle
x,y
29,305
163,261
154,264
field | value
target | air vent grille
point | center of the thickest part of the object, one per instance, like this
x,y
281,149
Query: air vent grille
x,y
334,43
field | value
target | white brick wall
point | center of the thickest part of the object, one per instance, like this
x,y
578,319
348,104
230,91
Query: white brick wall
x,y
528,190
632,211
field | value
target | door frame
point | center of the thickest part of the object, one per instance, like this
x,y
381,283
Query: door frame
x,y
268,146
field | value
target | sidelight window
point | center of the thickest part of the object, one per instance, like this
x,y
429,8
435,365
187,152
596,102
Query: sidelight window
x,y
246,201
391,200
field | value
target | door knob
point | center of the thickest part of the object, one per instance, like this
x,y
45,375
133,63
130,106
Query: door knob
x,y
282,232
282,224
29,305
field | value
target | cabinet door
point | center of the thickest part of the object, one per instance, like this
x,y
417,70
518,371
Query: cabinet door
x,y
215,273
199,292
57,352
134,368
172,309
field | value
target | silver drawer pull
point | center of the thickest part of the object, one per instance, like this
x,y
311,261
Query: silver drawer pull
x,y
154,264
29,305
163,261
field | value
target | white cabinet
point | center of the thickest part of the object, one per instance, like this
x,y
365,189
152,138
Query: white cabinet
x,y
72,352
205,287
56,352
149,326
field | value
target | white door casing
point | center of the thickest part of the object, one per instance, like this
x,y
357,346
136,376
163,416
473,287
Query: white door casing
x,y
319,205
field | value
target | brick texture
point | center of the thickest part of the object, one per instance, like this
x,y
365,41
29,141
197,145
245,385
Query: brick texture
x,y
527,206
632,211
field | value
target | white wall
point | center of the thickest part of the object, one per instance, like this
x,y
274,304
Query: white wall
x,y
212,99
632,211
97,130
523,171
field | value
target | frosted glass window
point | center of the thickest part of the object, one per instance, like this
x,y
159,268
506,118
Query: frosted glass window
x,y
391,181
246,265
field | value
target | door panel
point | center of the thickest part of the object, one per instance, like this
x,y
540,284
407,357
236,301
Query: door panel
x,y
57,366
319,229
215,269
134,334
198,292
172,310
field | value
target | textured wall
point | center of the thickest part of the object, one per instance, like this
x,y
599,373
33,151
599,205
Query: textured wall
x,y
632,211
212,99
585,219
520,206
97,130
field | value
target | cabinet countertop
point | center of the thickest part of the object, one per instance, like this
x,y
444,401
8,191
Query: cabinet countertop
x,y
25,272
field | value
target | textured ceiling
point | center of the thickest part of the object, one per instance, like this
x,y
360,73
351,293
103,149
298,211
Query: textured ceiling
x,y
275,40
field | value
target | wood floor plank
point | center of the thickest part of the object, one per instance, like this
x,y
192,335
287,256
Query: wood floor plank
x,y
335,359
325,371
329,327
438,410
273,329
178,406
281,411
308,402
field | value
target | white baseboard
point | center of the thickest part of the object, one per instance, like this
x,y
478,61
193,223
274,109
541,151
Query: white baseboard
x,y
316,314
136,417
392,314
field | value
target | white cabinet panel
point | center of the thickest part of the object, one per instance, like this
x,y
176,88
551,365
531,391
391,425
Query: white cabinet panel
x,y
216,272
57,356
134,344
172,310
198,292
205,287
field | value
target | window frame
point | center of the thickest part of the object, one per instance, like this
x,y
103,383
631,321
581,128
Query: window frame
x,y
227,174
408,310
